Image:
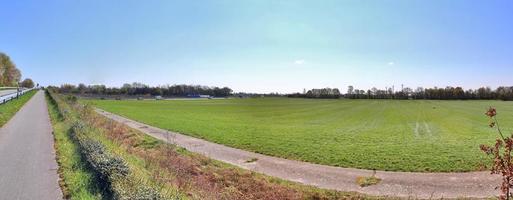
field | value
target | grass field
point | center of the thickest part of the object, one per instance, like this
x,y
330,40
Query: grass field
x,y
432,136
10,108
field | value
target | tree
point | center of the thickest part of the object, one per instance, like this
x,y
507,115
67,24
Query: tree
x,y
336,93
9,74
374,92
27,83
350,90
419,93
81,88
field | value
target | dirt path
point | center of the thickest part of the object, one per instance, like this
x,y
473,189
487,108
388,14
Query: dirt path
x,y
28,169
400,184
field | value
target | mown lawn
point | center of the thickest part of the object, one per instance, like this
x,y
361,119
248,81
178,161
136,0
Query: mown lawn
x,y
10,108
426,136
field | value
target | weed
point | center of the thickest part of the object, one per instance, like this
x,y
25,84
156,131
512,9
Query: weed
x,y
251,160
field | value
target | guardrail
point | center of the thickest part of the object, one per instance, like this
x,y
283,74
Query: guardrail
x,y
8,97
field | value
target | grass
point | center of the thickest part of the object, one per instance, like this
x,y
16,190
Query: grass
x,y
78,178
140,169
10,108
197,177
77,181
178,173
422,136
367,181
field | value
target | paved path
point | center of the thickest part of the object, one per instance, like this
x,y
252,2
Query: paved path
x,y
400,184
28,169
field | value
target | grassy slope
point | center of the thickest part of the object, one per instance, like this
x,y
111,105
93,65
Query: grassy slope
x,y
77,180
10,108
372,134
139,167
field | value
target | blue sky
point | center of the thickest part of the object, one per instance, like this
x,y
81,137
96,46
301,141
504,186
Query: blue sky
x,y
262,46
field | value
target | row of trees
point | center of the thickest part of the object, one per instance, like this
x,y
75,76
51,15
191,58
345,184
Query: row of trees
x,y
139,89
447,93
324,93
10,76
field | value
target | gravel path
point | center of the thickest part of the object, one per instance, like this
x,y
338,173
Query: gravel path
x,y
399,184
28,169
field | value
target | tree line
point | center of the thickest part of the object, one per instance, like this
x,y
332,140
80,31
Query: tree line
x,y
447,93
139,89
10,76
323,93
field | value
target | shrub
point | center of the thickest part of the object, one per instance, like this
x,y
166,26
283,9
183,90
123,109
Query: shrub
x,y
113,171
501,153
71,98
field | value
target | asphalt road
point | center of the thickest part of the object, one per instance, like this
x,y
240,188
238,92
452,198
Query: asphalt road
x,y
28,169
5,92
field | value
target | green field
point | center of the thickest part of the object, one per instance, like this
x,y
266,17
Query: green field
x,y
423,135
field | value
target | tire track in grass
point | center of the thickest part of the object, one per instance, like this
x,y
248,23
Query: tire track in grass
x,y
417,129
430,134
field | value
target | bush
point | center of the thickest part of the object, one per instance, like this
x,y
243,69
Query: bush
x,y
140,192
108,166
113,171
502,156
71,99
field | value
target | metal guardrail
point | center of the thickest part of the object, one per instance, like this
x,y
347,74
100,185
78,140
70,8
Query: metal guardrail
x,y
8,97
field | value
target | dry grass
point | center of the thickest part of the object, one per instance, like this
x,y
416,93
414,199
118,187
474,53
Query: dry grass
x,y
367,181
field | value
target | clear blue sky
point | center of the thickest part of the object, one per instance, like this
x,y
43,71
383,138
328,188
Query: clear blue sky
x,y
262,46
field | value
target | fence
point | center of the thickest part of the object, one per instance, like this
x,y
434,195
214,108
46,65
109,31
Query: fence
x,y
8,97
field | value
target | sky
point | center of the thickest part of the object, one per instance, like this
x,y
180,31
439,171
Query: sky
x,y
262,45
